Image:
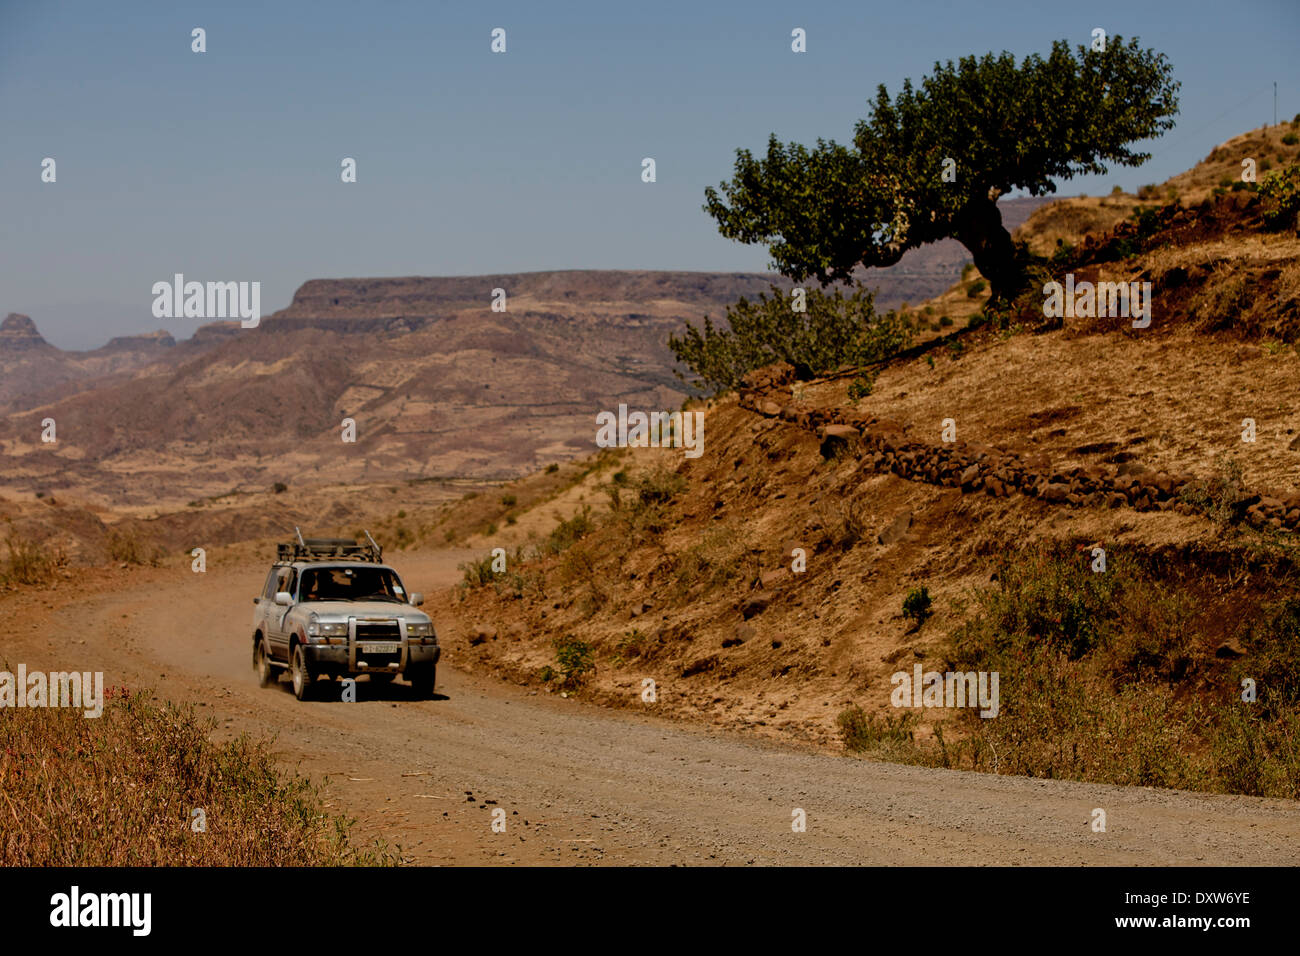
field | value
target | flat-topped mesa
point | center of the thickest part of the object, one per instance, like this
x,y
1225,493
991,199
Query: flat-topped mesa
x,y
148,340
419,299
19,333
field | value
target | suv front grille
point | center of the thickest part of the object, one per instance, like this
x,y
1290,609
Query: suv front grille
x,y
379,632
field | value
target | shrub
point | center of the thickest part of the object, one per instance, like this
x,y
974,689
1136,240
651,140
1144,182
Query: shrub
x,y
712,563
564,534
509,500
845,525
279,488
631,645
1281,194
1219,498
659,486
1254,755
945,321
835,330
1219,304
30,563
574,658
552,468
1041,600
861,386
976,288
1273,644
862,731
127,547
477,573
916,606
1291,139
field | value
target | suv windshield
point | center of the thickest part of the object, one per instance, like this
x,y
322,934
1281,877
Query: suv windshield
x,y
359,583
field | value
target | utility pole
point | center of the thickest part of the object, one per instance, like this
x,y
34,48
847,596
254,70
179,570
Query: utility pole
x,y
1275,102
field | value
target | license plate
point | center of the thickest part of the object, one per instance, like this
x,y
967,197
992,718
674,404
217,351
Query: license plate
x,y
379,648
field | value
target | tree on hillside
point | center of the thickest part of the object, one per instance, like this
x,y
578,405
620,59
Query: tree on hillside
x,y
993,125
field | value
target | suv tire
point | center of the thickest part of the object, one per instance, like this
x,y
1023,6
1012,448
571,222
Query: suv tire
x,y
266,675
423,680
303,678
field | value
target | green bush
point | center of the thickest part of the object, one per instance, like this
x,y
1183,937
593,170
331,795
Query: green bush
x,y
976,288
916,606
1281,194
574,658
835,330
1291,139
861,386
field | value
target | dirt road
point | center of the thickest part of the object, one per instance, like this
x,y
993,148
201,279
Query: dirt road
x,y
584,785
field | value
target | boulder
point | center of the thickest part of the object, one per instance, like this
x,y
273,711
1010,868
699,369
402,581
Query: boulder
x,y
838,438
896,529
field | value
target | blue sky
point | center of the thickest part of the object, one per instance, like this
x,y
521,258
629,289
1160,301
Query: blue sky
x,y
225,165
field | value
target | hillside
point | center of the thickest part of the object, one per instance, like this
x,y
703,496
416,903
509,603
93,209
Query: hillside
x,y
1127,440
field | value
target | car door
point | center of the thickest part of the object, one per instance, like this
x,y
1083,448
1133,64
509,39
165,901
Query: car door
x,y
278,622
265,602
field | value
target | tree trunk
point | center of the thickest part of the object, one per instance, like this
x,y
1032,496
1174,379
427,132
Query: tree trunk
x,y
980,230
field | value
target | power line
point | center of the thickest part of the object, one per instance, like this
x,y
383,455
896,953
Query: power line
x,y
1207,125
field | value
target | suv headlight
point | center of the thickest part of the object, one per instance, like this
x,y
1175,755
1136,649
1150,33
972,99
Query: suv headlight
x,y
419,628
318,628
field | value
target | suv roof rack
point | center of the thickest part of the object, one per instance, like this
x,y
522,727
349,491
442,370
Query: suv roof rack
x,y
329,549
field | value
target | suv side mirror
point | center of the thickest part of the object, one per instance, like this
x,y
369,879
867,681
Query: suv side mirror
x,y
283,598
417,598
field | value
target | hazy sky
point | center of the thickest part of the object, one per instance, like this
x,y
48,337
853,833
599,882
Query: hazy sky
x,y
225,165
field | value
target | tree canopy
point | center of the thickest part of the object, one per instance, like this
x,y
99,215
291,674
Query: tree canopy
x,y
1000,126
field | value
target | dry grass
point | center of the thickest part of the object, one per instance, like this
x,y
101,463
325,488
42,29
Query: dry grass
x,y
29,562
120,790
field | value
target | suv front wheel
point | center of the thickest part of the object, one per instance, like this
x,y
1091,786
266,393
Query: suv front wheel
x,y
303,678
422,679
